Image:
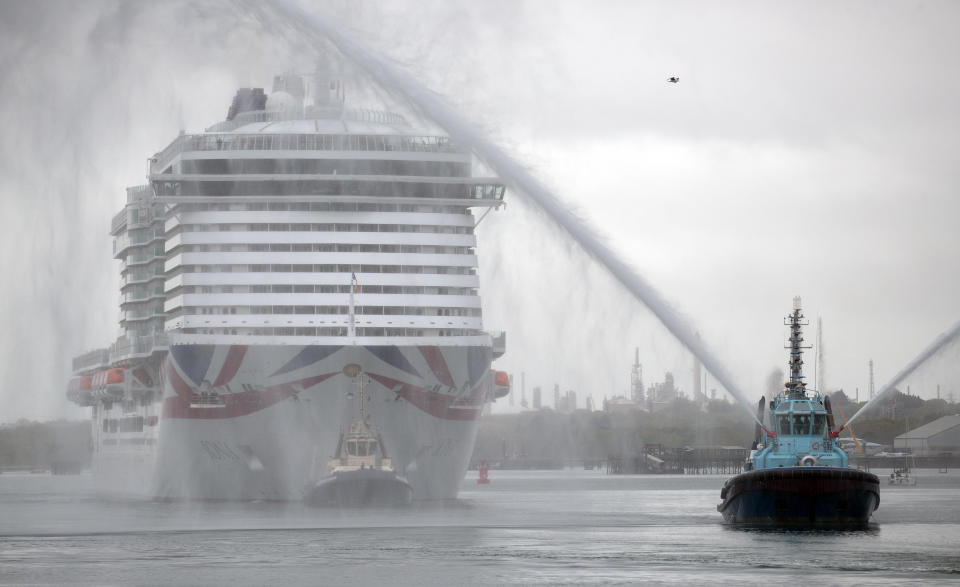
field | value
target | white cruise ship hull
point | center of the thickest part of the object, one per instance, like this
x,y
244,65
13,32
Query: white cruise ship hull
x,y
245,422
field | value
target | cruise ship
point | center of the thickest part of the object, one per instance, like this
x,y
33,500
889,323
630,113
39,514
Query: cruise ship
x,y
268,263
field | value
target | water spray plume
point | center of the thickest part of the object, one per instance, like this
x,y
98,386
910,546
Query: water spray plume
x,y
322,29
941,341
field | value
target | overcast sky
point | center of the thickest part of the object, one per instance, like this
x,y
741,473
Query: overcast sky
x,y
809,149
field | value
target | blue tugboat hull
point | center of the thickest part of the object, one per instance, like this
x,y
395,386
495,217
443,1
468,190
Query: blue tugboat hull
x,y
800,497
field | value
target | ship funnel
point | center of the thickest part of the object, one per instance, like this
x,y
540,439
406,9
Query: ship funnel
x,y
758,427
247,100
827,406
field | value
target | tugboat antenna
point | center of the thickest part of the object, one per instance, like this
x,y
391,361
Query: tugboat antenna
x,y
796,386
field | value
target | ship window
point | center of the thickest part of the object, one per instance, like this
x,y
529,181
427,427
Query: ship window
x,y
784,424
801,424
819,424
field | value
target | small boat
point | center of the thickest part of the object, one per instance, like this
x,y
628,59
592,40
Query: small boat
x,y
797,475
901,476
360,473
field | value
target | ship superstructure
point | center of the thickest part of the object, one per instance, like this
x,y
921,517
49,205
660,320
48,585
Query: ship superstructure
x,y
265,255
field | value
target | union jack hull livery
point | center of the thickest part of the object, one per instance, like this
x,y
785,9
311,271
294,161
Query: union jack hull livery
x,y
274,410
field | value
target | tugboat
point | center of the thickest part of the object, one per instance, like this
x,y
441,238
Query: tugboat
x,y
797,475
360,473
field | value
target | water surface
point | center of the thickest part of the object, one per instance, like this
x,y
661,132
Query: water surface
x,y
526,527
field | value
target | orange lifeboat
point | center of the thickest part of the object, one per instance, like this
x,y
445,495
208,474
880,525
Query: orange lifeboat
x,y
78,390
501,383
108,384
79,384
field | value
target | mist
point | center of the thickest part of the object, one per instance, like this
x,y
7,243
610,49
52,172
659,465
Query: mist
x,y
807,150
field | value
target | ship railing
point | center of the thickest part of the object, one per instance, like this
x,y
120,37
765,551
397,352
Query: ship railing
x,y
127,239
138,192
245,118
132,216
140,296
299,142
377,116
141,258
127,347
132,316
119,221
310,113
138,276
91,360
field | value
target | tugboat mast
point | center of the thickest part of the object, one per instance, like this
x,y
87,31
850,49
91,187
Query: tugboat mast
x,y
796,387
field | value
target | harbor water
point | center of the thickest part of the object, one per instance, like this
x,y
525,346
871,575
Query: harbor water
x,y
525,527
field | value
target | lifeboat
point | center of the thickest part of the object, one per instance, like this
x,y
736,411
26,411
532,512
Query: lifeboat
x,y
79,391
501,383
108,384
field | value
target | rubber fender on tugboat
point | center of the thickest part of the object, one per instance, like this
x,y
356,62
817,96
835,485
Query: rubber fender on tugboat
x,y
809,461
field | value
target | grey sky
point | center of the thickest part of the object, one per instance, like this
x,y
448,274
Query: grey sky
x,y
809,149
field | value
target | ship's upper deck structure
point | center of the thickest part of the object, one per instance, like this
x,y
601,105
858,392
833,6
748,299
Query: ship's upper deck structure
x,y
300,221
310,223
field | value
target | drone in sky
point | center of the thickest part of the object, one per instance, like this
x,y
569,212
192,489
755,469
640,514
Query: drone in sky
x,y
673,79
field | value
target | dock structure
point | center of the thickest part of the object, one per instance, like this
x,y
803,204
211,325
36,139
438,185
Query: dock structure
x,y
700,460
943,462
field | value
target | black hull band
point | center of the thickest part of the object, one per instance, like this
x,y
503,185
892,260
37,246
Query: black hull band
x,y
800,496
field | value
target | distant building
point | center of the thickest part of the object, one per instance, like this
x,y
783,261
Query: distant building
x,y
939,436
661,395
618,404
635,400
556,396
590,406
523,390
567,402
536,398
636,378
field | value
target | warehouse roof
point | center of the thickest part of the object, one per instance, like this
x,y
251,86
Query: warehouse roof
x,y
933,428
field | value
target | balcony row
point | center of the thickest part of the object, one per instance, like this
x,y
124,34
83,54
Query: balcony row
x,y
320,299
306,321
300,142
313,281
318,220
321,166
321,241
261,187
311,259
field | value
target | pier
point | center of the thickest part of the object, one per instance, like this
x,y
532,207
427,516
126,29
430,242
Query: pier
x,y
653,459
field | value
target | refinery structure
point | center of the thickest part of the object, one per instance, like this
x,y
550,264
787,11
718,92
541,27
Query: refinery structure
x,y
271,261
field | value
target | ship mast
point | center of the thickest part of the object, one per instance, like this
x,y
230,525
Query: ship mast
x,y
796,387
354,287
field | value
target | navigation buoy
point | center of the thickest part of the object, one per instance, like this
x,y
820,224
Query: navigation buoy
x,y
483,479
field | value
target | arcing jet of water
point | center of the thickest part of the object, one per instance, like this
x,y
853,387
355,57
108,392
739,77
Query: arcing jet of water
x,y
941,341
319,30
